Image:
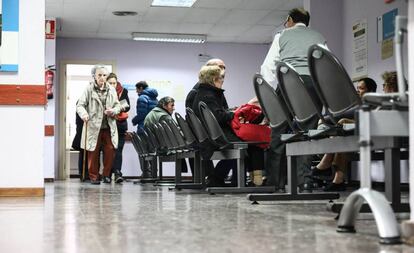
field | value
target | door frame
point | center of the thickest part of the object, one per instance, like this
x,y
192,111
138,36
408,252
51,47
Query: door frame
x,y
61,171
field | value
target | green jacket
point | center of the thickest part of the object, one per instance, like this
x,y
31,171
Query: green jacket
x,y
155,116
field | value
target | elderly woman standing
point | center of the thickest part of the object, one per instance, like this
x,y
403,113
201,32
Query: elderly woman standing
x,y
97,107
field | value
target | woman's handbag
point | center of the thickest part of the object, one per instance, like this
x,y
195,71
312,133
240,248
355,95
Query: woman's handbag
x,y
122,116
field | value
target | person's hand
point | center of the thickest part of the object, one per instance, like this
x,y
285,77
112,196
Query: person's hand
x,y
109,112
85,118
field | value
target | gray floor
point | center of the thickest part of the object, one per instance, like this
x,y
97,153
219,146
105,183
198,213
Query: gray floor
x,y
75,217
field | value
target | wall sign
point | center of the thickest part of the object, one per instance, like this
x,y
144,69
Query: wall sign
x,y
9,39
359,50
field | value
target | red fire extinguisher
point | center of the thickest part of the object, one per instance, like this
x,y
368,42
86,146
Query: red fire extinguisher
x,y
49,75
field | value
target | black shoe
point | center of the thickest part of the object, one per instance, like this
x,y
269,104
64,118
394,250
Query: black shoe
x,y
106,180
96,182
315,172
214,182
118,177
332,187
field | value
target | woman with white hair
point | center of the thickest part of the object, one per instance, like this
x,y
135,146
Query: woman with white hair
x,y
97,107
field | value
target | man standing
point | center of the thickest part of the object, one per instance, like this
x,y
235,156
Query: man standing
x,y
290,46
147,100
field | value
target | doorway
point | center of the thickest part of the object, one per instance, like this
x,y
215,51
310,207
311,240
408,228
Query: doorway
x,y
74,78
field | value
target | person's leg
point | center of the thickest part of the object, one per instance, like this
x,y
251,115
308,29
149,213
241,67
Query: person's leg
x,y
276,168
326,162
256,164
340,164
93,160
109,154
116,168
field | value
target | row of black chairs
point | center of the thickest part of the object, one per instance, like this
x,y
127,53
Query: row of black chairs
x,y
171,141
294,104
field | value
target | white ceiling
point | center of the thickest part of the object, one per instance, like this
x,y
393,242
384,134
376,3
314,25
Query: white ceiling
x,y
240,21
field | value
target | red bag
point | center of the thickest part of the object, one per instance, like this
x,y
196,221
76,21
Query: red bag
x,y
122,116
248,131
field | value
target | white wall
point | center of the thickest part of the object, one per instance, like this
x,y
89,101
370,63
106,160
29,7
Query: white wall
x,y
49,141
22,128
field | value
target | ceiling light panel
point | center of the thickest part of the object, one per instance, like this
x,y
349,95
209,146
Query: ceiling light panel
x,y
173,3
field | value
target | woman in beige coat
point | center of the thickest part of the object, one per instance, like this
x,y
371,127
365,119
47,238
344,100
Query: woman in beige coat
x,y
97,107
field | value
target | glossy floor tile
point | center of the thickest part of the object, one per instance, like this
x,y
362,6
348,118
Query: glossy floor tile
x,y
76,217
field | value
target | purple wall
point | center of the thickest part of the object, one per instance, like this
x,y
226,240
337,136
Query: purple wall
x,y
177,63
327,18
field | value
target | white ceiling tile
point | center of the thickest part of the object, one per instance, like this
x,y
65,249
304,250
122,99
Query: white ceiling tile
x,y
157,27
79,25
129,5
275,18
218,4
82,11
157,14
228,30
221,20
195,28
261,5
111,26
54,10
244,17
205,15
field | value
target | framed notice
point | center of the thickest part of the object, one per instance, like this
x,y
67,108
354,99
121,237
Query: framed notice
x,y
9,39
359,50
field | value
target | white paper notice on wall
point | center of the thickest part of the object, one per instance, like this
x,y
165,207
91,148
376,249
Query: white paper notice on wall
x,y
359,50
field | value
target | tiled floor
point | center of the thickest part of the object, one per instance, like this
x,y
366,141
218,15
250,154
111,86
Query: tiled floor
x,y
75,217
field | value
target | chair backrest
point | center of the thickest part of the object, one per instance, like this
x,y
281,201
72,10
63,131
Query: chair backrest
x,y
160,136
177,133
170,134
152,136
195,124
135,143
297,95
332,83
272,103
152,147
213,128
163,133
189,137
139,146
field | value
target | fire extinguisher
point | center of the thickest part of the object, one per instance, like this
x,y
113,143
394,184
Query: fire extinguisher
x,y
49,75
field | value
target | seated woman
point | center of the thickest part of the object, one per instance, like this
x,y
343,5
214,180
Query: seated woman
x,y
210,91
339,161
390,82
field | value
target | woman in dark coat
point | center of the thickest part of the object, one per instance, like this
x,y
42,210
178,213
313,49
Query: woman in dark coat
x,y
121,123
210,92
77,146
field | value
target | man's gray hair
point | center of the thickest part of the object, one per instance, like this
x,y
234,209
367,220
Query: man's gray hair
x,y
98,66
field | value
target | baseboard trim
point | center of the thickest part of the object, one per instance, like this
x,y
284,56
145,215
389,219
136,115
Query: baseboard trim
x,y
22,192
